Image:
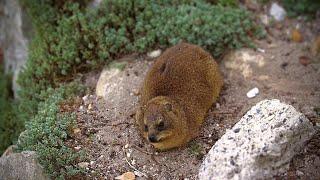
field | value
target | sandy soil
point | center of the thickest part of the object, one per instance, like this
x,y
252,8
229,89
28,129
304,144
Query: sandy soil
x,y
114,146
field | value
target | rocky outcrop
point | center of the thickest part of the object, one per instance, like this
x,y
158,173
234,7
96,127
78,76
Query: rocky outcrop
x,y
15,30
21,166
260,145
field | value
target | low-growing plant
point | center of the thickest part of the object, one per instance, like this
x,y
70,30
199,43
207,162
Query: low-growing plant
x,y
302,7
47,132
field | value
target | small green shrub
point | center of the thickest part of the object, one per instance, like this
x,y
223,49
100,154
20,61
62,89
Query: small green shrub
x,y
228,3
301,7
10,125
47,132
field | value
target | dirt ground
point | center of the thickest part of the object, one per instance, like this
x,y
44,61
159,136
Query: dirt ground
x,y
114,146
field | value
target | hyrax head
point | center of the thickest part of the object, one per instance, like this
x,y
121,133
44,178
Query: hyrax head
x,y
164,123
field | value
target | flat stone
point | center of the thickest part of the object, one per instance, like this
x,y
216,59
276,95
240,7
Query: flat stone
x,y
260,146
21,166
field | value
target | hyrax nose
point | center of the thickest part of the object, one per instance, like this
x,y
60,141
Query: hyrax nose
x,y
152,138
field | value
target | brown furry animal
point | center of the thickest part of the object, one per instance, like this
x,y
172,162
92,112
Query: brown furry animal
x,y
177,92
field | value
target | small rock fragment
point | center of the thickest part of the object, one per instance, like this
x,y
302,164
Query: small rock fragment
x,y
304,60
154,54
253,92
126,176
277,12
299,173
77,148
261,50
90,107
296,36
85,98
137,173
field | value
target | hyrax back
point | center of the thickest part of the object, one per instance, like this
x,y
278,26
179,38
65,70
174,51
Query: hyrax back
x,y
176,94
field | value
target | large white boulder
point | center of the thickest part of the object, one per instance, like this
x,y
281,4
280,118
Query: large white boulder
x,y
260,145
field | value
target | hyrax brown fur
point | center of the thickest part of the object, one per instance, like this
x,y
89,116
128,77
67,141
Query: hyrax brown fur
x,y
176,94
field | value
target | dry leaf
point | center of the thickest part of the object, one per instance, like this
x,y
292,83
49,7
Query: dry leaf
x,y
76,130
304,60
126,176
296,36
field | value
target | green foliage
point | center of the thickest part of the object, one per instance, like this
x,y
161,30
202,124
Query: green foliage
x,y
301,7
10,125
47,132
228,3
196,150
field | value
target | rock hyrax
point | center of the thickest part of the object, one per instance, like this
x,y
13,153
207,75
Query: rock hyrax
x,y
176,94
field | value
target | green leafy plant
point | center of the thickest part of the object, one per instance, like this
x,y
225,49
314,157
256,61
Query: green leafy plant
x,y
47,132
301,7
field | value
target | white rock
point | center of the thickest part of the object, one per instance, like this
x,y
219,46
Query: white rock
x,y
154,54
277,12
261,50
253,92
260,146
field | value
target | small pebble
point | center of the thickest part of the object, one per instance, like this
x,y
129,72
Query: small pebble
x,y
77,148
154,54
85,98
299,173
253,92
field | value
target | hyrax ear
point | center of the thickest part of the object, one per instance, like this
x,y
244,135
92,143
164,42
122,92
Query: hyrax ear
x,y
168,107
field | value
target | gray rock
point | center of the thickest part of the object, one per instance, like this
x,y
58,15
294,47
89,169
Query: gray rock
x,y
260,145
21,166
277,12
15,32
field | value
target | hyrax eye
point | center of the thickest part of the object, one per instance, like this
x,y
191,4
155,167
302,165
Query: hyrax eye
x,y
145,128
160,126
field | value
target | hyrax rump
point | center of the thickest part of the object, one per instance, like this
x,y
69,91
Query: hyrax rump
x,y
176,94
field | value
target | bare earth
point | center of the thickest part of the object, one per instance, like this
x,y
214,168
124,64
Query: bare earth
x,y
114,146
